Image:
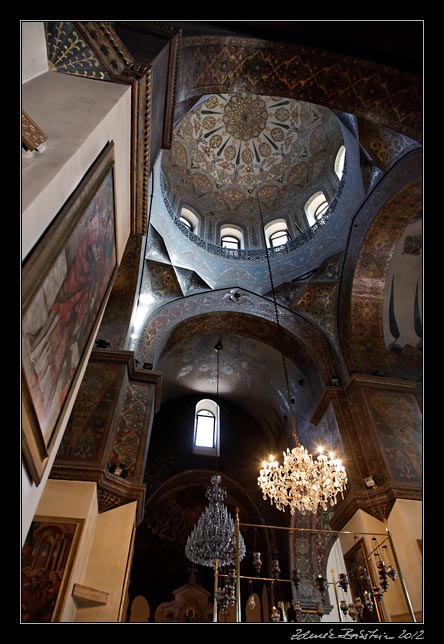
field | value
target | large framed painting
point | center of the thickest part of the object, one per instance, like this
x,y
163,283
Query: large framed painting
x,y
47,558
65,285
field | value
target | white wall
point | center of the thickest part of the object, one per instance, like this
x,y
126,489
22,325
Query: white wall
x,y
80,116
108,562
102,558
405,526
407,271
34,57
336,563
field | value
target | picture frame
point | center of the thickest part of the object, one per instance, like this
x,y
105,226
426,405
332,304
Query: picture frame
x,y
66,281
48,556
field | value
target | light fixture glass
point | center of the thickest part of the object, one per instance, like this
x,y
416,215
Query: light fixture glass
x,y
302,482
213,536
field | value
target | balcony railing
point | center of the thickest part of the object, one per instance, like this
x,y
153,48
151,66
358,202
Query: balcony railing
x,y
256,254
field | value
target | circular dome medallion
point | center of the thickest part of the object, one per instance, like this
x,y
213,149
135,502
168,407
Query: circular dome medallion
x,y
245,117
233,147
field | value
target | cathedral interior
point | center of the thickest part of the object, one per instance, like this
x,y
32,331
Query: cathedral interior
x,y
221,265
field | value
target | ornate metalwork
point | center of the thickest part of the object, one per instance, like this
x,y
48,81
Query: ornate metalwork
x,y
256,254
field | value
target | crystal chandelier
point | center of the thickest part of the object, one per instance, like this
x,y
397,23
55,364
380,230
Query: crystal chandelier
x,y
213,536
302,482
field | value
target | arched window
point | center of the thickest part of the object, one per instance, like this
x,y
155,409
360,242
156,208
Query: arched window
x,y
189,218
339,162
230,242
276,233
186,222
206,428
278,238
316,207
231,237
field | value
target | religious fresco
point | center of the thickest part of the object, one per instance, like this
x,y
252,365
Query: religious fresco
x,y
390,207
47,556
398,424
370,276
211,65
403,292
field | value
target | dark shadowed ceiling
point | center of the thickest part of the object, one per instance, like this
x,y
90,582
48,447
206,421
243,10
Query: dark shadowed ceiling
x,y
249,371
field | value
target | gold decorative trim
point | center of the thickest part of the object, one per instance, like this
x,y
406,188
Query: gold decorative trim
x,y
174,36
151,28
32,134
380,382
170,99
107,46
122,68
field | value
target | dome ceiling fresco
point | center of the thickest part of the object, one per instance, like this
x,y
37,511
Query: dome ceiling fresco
x,y
229,144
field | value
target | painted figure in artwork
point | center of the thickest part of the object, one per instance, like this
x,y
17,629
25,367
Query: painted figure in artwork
x,y
58,322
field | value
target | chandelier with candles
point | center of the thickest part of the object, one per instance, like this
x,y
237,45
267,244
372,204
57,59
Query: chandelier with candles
x,y
302,482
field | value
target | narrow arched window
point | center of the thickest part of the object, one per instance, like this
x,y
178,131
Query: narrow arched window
x,y
315,207
186,222
278,238
276,233
231,236
189,219
230,242
206,428
339,162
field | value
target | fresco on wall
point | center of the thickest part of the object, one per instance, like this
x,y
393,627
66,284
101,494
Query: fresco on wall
x,y
398,424
303,73
366,341
46,558
132,429
91,416
403,292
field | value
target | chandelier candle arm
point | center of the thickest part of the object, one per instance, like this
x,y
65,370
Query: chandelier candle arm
x,y
302,482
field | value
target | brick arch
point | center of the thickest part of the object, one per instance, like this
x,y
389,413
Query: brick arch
x,y
367,351
222,64
207,313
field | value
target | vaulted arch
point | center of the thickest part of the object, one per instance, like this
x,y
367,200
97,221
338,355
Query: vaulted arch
x,y
223,64
206,313
378,227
